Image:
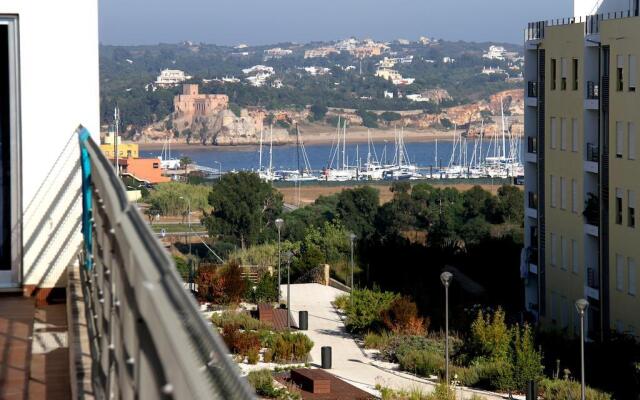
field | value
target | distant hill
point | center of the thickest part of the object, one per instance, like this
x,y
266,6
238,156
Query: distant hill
x,y
343,80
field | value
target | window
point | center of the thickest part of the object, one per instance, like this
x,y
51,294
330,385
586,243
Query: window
x,y
563,134
156,165
554,251
619,139
620,74
553,305
552,182
575,73
574,256
632,276
631,209
631,141
619,273
574,135
563,72
554,73
554,132
574,196
619,206
632,73
563,253
563,193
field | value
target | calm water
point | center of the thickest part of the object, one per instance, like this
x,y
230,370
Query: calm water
x,y
285,157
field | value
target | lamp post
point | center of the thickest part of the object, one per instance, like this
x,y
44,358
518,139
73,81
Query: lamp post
x,y
446,277
279,223
581,306
219,169
189,239
352,238
287,257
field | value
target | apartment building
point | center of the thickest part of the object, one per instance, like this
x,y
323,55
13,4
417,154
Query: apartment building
x,y
582,238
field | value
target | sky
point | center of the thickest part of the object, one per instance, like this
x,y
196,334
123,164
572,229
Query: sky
x,y
259,22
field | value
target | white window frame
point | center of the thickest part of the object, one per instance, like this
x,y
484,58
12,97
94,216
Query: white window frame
x,y
553,194
563,193
574,196
619,273
632,277
574,135
554,250
563,134
554,133
574,257
619,139
631,141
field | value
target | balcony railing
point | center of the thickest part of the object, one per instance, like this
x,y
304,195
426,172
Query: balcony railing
x,y
532,145
147,337
532,89
532,200
593,90
592,278
536,30
593,154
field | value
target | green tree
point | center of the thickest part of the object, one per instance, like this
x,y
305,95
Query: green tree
x,y
390,116
185,162
357,209
318,112
527,361
511,200
369,119
244,208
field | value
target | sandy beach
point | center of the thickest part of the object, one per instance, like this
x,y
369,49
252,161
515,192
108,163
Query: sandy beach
x,y
316,136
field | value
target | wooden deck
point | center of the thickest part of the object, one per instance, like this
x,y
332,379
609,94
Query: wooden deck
x,y
34,357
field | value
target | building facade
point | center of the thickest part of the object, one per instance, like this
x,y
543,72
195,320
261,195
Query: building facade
x,y
191,103
581,235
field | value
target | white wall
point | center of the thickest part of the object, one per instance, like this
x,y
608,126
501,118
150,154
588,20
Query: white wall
x,y
590,7
59,89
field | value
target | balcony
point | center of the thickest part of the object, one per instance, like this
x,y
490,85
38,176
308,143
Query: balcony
x,y
532,149
593,157
592,102
592,287
128,329
532,205
532,94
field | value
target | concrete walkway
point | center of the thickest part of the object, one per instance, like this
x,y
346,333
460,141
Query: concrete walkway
x,y
349,362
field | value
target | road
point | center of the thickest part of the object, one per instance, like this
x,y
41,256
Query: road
x,y
349,362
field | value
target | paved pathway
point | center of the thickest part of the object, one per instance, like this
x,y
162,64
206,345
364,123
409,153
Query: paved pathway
x,y
348,360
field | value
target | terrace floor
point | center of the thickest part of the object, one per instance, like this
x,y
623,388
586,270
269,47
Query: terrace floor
x,y
34,357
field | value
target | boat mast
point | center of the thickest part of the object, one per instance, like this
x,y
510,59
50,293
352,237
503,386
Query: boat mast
x,y
271,152
504,149
260,163
344,145
116,122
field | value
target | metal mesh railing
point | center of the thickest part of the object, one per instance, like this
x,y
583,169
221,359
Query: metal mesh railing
x,y
148,339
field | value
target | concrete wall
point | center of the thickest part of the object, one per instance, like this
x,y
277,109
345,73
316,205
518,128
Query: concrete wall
x,y
564,285
623,37
58,89
590,7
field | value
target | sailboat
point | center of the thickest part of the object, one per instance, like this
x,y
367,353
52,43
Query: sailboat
x,y
341,172
269,174
303,173
166,161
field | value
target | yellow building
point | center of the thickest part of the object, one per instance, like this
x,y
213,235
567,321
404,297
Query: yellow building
x,y
125,150
581,172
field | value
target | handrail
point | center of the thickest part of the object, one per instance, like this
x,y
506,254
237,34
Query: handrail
x,y
148,338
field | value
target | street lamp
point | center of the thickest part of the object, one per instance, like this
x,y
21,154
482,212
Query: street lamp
x,y
279,224
219,169
446,278
287,257
189,238
581,306
352,238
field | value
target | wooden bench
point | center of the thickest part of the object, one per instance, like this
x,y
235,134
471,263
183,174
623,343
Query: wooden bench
x,y
312,380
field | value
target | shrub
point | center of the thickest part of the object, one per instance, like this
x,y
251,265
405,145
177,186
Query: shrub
x,y
234,285
378,341
253,355
341,302
442,392
262,382
402,317
240,320
365,308
291,347
527,361
557,389
493,375
490,336
421,362
265,291
240,342
267,356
